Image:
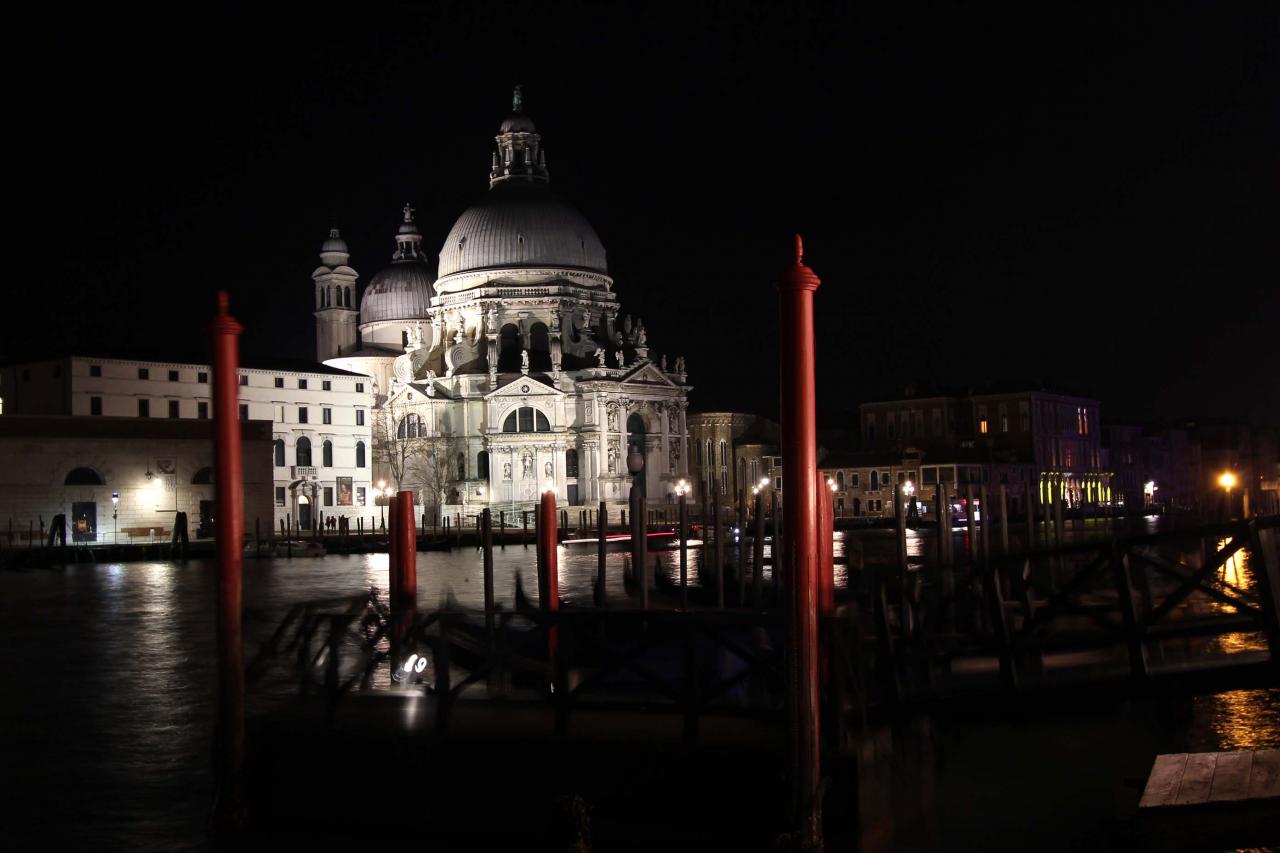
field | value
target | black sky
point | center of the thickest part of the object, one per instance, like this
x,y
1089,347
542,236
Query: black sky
x,y
1087,198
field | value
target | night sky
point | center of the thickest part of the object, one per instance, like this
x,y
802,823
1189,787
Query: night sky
x,y
1084,198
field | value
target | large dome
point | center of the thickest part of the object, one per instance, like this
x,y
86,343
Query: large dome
x,y
519,224
402,291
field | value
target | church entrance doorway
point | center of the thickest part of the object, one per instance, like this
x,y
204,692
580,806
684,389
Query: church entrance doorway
x,y
304,512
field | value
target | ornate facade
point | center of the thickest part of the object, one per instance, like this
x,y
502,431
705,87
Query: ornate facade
x,y
514,370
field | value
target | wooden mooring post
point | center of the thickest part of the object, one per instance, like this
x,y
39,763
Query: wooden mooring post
x,y
799,447
757,556
230,809
486,544
602,547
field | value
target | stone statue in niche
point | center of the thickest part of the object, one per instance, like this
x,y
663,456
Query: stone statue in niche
x,y
673,420
674,459
642,337
613,459
613,418
600,356
524,362
662,364
548,470
680,364
620,358
506,470
526,462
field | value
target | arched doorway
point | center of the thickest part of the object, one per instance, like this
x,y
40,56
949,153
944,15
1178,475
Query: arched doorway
x,y
304,512
509,349
539,347
635,438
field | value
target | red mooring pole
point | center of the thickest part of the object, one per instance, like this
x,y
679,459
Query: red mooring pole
x,y
548,556
405,591
800,521
230,807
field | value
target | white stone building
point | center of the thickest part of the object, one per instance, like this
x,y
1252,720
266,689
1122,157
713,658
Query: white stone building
x,y
322,453
118,479
512,371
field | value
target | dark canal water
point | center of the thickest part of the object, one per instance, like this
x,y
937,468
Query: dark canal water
x,y
107,707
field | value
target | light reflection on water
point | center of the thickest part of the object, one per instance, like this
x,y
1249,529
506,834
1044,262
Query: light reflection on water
x,y
109,674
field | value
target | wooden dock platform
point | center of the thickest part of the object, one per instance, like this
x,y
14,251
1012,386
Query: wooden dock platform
x,y
1204,800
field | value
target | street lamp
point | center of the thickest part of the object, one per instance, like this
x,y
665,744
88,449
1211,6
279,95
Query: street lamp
x,y
383,492
1228,482
115,518
682,490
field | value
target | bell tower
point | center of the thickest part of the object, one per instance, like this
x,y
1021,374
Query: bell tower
x,y
335,300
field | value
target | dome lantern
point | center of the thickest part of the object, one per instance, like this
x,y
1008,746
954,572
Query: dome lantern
x,y
402,291
519,155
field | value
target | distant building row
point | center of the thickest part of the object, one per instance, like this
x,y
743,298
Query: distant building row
x,y
1045,441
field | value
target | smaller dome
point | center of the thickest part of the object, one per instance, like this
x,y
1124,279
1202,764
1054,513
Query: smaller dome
x,y
517,123
402,291
335,243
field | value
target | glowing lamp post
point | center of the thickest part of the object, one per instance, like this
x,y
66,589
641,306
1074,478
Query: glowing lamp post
x,y
115,518
682,491
1228,482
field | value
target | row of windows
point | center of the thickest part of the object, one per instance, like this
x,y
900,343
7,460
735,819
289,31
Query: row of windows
x,y
302,453
343,294
202,411
282,495
202,377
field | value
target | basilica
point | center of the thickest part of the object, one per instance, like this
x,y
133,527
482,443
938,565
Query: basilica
x,y
508,369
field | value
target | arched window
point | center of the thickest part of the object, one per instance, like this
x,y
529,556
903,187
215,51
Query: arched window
x,y
203,477
509,348
482,465
278,452
83,477
359,454
571,462
302,451
410,427
347,295
724,467
539,347
875,480
526,419
326,454
840,480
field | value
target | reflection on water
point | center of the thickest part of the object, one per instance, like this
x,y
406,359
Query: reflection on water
x,y
107,709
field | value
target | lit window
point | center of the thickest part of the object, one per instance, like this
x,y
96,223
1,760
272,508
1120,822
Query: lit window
x,y
982,426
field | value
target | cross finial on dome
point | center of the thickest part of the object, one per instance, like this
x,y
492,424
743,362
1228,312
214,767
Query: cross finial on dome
x,y
517,99
333,233
408,212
